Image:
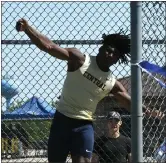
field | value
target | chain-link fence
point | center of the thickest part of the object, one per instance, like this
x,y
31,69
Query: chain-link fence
x,y
33,75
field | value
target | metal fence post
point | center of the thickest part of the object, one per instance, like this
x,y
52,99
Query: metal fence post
x,y
136,82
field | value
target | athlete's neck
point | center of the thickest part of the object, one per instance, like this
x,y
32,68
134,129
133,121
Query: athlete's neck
x,y
101,64
114,134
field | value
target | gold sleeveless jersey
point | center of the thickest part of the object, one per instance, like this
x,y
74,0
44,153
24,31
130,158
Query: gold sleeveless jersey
x,y
83,89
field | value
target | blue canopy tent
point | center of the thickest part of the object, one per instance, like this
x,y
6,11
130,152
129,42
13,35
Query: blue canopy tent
x,y
34,108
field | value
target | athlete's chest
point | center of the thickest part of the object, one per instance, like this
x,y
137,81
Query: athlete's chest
x,y
96,79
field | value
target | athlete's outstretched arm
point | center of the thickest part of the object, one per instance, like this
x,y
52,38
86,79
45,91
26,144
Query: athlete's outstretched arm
x,y
124,99
46,45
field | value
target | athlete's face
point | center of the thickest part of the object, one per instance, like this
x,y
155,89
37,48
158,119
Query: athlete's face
x,y
114,124
110,54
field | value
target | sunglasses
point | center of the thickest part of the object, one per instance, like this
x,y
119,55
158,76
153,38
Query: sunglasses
x,y
114,120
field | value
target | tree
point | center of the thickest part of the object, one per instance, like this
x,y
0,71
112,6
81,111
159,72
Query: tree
x,y
16,105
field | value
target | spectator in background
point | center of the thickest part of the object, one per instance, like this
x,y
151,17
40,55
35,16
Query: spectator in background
x,y
113,148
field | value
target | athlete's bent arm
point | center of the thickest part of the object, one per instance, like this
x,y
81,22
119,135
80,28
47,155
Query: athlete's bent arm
x,y
46,45
120,93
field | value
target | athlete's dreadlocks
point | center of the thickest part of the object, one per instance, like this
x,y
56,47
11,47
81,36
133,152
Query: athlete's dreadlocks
x,y
121,42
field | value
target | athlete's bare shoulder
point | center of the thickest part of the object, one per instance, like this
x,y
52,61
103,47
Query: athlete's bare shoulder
x,y
76,60
75,54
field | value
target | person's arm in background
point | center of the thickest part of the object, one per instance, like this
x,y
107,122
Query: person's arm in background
x,y
48,46
128,144
129,158
124,99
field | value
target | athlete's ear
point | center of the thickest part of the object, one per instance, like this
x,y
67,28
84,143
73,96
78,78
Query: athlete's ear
x,y
120,123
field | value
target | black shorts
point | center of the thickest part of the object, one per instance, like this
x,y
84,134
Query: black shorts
x,y
69,135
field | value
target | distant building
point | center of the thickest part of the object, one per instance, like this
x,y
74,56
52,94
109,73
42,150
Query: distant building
x,y
154,95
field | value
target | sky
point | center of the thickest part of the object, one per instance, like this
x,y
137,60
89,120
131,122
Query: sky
x,y
37,73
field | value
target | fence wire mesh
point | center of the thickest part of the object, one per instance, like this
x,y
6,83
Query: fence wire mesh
x,y
35,75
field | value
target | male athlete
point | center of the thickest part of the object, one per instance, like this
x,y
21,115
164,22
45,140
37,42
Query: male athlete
x,y
88,80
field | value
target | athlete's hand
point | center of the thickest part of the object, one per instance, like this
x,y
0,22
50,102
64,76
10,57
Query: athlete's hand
x,y
155,113
21,25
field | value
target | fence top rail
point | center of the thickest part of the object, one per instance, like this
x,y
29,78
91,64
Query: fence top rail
x,y
77,42
103,117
